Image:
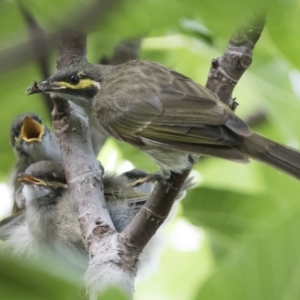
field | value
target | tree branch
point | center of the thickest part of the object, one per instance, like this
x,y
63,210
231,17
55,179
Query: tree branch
x,y
108,264
226,71
71,49
71,129
154,212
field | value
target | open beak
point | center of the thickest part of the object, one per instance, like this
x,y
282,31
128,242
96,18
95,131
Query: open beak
x,y
44,87
31,130
28,178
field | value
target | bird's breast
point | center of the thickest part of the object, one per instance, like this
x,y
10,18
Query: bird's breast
x,y
170,160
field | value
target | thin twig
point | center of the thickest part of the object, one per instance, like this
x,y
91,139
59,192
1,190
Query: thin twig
x,y
40,50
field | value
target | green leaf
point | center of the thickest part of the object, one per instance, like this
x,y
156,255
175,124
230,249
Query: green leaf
x,y
45,279
124,152
24,280
230,217
283,25
112,294
15,102
265,268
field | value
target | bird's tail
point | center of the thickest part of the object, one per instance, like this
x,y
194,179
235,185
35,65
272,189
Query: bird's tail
x,y
278,156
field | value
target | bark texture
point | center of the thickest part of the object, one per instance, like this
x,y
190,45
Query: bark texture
x,y
84,177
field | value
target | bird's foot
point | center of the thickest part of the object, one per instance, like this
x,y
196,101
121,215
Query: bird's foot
x,y
151,178
160,178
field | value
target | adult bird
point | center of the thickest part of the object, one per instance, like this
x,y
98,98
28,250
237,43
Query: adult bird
x,y
165,114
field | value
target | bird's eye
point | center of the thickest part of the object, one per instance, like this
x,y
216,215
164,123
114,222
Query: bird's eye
x,y
74,79
17,132
50,177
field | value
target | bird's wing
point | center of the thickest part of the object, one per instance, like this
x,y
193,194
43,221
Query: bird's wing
x,y
175,110
189,104
125,122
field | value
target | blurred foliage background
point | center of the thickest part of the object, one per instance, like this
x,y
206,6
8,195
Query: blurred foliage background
x,y
236,235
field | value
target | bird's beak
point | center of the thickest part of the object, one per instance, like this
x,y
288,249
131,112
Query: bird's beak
x,y
45,87
31,130
28,178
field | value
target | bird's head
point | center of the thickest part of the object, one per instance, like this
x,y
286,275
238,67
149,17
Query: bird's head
x,y
43,179
26,129
75,83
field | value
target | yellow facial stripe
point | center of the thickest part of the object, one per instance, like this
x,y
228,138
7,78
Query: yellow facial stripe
x,y
83,83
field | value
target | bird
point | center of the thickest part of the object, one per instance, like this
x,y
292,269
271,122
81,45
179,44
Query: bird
x,y
165,114
31,141
48,228
51,221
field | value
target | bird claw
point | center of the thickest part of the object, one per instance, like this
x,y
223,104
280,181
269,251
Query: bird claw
x,y
160,178
153,177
